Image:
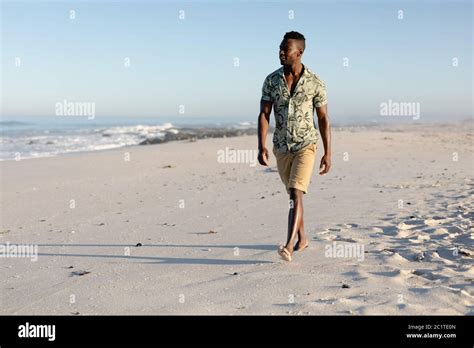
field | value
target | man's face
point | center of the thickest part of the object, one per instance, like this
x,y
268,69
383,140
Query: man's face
x,y
290,52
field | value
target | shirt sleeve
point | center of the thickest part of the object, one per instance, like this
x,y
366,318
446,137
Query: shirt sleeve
x,y
267,90
320,98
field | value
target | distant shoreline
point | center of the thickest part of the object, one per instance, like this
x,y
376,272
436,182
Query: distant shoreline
x,y
115,137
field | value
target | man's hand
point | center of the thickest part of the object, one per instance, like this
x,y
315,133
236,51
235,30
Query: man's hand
x,y
263,156
325,130
325,164
263,123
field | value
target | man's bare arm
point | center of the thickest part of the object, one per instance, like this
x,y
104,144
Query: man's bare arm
x,y
263,123
325,130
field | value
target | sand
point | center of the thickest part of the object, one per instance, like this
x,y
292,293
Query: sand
x,y
209,231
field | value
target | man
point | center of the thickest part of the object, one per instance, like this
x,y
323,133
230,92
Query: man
x,y
294,92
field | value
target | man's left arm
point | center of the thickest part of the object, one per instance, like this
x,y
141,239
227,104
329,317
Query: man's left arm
x,y
325,130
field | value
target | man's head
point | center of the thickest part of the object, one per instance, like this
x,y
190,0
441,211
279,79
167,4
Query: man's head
x,y
291,48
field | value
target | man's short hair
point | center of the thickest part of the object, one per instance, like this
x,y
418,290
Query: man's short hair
x,y
295,36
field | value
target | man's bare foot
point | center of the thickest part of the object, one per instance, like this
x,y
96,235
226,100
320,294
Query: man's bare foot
x,y
301,245
285,253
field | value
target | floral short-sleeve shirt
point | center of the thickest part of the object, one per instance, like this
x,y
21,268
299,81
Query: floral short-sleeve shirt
x,y
294,113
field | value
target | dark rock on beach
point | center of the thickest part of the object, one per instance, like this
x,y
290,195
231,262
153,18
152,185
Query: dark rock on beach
x,y
199,133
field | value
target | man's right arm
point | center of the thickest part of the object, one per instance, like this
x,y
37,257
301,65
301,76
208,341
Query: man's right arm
x,y
263,123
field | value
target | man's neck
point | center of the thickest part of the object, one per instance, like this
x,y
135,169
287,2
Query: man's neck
x,y
294,69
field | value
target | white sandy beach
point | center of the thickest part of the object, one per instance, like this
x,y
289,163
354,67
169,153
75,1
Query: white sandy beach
x,y
169,196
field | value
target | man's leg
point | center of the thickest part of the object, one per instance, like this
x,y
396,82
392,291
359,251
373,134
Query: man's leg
x,y
302,241
295,217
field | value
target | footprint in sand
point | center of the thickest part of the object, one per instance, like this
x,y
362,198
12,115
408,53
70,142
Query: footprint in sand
x,y
403,226
393,256
415,223
436,220
429,274
344,239
349,225
455,229
437,233
389,230
404,233
397,275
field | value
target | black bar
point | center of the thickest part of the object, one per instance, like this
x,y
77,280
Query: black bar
x,y
224,330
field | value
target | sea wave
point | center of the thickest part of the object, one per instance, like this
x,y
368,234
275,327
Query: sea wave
x,y
42,143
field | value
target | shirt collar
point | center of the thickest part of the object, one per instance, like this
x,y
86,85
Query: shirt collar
x,y
305,71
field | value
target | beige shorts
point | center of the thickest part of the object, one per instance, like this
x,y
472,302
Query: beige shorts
x,y
295,169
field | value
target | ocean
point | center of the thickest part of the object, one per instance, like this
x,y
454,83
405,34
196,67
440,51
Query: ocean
x,y
33,137
36,136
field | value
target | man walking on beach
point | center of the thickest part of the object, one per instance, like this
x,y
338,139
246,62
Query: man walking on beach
x,y
294,92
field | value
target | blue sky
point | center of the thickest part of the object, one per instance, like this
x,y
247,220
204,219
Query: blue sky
x,y
190,62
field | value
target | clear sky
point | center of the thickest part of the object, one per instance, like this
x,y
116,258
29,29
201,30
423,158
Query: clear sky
x,y
190,61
